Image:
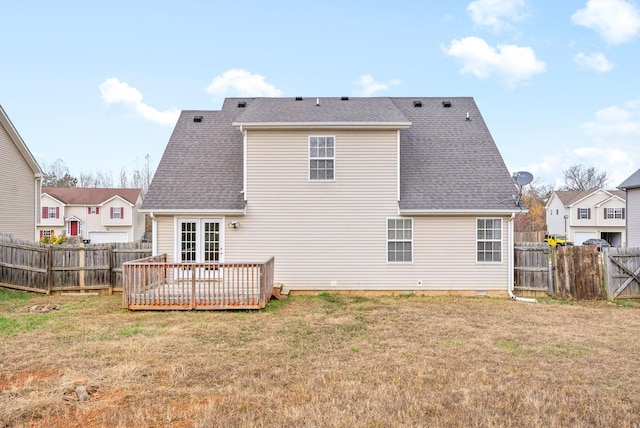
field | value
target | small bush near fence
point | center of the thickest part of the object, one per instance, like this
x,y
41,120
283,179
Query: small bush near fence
x,y
45,268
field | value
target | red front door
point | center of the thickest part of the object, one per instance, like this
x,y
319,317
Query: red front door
x,y
74,228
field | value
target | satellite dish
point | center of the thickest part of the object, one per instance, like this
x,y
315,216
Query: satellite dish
x,y
522,178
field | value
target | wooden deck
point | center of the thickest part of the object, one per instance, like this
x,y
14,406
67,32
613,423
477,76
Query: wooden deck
x,y
154,284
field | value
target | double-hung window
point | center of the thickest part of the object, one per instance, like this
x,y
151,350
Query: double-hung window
x,y
584,213
489,240
322,158
614,213
399,240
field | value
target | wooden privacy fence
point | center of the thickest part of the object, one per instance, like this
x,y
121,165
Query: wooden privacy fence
x,y
564,272
44,268
152,283
578,273
533,270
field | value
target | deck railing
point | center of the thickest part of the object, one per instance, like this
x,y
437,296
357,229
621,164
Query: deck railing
x,y
152,283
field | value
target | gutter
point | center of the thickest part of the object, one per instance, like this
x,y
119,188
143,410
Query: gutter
x,y
511,263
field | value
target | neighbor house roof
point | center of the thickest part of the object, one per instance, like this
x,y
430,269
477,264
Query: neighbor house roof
x,y
448,159
90,196
632,182
570,197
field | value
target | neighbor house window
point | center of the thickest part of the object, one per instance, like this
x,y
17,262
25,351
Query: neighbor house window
x,y
46,233
584,213
322,158
117,212
93,210
614,213
489,239
399,240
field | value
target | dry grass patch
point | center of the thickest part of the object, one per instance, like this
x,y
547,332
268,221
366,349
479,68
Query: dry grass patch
x,y
329,360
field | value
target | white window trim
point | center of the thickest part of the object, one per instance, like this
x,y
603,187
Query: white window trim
x,y
614,213
586,213
51,213
199,237
501,240
118,213
309,158
387,240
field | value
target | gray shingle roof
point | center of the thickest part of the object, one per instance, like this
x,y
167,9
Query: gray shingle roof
x,y
201,168
329,110
446,161
632,182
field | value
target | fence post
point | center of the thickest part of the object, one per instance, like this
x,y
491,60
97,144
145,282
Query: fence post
x,y
111,272
49,269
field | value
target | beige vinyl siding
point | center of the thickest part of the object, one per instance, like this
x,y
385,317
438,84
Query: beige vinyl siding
x,y
165,236
17,191
328,235
633,217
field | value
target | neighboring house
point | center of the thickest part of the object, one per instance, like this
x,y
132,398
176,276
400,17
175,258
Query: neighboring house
x,y
96,214
20,181
631,187
582,215
346,193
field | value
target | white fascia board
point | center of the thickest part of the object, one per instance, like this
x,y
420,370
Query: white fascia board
x,y
461,212
307,125
194,212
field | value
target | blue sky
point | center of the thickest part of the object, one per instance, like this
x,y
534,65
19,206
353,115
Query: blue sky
x,y
100,84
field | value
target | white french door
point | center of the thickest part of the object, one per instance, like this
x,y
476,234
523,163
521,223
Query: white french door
x,y
200,240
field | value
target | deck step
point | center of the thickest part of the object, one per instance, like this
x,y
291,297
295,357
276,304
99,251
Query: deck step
x,y
277,292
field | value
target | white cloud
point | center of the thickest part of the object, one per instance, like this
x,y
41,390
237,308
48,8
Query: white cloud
x,y
497,14
114,91
241,83
370,86
596,61
514,64
608,143
617,21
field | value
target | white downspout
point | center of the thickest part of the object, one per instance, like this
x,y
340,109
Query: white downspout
x,y
511,263
154,234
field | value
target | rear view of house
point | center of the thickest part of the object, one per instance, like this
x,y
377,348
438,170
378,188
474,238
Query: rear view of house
x,y
20,181
95,214
345,193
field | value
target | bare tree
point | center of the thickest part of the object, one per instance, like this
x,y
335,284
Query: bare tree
x,y
57,175
578,177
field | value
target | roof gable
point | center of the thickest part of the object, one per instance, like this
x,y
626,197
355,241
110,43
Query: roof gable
x,y
572,197
632,182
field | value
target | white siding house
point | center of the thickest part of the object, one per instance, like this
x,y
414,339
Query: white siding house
x,y
582,215
345,193
98,215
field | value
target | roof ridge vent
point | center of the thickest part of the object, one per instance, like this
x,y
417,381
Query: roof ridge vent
x,y
242,104
344,98
197,118
298,98
446,104
417,103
